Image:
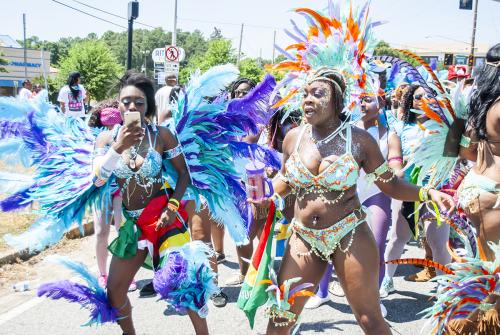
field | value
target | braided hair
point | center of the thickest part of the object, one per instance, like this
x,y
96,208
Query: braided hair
x,y
407,104
486,93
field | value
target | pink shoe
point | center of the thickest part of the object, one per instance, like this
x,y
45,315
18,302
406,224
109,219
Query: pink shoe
x,y
133,286
103,280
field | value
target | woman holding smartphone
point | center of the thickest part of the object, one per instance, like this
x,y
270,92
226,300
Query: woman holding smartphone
x,y
155,220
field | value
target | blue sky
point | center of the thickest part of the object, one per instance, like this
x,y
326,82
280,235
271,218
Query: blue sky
x,y
409,21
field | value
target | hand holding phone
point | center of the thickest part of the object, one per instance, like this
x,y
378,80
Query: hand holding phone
x,y
131,133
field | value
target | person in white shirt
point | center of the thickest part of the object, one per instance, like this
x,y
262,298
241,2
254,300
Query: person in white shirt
x,y
162,97
25,91
72,97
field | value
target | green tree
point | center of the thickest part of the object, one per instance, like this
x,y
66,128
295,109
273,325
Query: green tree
x,y
252,69
3,61
219,52
99,68
383,48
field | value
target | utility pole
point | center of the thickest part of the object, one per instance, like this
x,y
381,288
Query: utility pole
x,y
274,44
473,41
133,13
239,48
174,33
25,51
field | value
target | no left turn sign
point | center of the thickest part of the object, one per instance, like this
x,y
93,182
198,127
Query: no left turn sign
x,y
172,54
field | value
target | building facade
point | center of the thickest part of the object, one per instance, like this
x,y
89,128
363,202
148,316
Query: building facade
x,y
37,64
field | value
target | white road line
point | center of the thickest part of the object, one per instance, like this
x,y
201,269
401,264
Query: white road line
x,y
18,310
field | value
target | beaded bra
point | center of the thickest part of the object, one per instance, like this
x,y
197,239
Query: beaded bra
x,y
148,173
340,175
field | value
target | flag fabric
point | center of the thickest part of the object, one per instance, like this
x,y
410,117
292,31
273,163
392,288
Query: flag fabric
x,y
252,294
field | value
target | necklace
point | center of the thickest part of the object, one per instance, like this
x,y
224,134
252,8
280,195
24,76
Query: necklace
x,y
134,151
327,139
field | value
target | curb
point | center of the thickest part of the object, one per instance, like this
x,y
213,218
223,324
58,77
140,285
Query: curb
x,y
74,233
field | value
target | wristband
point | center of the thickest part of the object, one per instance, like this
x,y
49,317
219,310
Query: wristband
x,y
278,200
423,194
173,207
174,201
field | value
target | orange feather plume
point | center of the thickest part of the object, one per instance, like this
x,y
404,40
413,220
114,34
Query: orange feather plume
x,y
424,262
429,112
324,22
285,98
297,46
302,293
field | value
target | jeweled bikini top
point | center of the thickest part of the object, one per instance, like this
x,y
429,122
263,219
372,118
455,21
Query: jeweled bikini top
x,y
340,175
151,166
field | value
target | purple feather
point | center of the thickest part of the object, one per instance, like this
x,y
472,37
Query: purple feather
x,y
299,287
11,128
255,106
16,201
97,303
168,279
292,36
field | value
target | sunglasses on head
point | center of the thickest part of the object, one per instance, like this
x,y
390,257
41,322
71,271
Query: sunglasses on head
x,y
418,96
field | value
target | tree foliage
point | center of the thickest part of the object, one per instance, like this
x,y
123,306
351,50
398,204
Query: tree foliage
x,y
219,51
3,61
95,62
252,69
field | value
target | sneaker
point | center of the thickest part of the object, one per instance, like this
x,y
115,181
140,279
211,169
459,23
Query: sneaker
x,y
219,299
387,287
423,276
384,310
221,258
147,290
133,286
235,280
315,301
335,289
102,280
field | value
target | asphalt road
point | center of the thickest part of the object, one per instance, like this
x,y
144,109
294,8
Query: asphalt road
x,y
24,313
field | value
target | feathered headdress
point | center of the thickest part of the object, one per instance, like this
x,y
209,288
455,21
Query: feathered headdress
x,y
437,153
340,41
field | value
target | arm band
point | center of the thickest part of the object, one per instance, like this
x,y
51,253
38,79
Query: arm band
x,y
105,165
174,152
465,141
377,174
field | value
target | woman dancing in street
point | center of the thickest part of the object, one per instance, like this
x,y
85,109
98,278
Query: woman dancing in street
x,y
321,165
135,157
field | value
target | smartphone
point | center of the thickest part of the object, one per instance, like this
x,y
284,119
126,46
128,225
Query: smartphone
x,y
131,117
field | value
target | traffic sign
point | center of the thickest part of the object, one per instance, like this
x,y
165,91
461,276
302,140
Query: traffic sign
x,y
172,54
161,78
158,55
172,67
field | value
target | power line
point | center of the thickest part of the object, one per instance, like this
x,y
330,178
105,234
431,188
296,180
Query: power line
x,y
83,12
229,23
112,14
